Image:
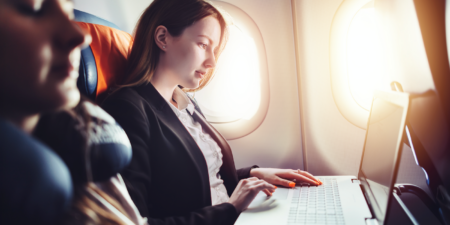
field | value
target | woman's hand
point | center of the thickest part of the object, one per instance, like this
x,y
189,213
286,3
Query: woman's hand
x,y
246,191
284,177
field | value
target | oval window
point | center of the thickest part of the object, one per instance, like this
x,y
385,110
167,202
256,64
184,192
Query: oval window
x,y
363,57
234,92
355,59
236,100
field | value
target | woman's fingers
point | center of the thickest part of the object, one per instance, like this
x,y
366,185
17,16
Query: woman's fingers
x,y
246,191
310,176
261,185
298,179
284,182
306,174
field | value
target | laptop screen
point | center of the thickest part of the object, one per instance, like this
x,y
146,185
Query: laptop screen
x,y
381,150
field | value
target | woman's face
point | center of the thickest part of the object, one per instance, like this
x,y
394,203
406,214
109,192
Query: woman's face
x,y
39,55
192,54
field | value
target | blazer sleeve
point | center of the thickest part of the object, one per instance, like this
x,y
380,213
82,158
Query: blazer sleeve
x,y
135,123
222,214
133,120
244,173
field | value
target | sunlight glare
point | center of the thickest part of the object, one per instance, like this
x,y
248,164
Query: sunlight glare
x,y
363,57
234,92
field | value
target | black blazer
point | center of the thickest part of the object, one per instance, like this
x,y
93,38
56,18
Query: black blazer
x,y
168,176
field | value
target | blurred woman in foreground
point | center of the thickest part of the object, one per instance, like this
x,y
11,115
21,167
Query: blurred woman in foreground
x,y
39,60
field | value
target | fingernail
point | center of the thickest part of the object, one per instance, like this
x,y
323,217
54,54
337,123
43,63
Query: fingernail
x,y
292,184
275,187
317,183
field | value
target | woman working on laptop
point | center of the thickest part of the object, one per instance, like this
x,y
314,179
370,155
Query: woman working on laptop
x,y
182,171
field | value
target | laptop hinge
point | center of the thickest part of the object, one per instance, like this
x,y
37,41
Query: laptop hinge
x,y
371,221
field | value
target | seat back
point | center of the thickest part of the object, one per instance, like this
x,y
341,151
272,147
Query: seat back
x,y
435,119
104,60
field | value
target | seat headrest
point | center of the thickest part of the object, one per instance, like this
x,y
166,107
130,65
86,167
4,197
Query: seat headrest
x,y
104,61
36,184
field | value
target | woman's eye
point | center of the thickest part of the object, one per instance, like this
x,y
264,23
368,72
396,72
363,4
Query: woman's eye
x,y
202,45
28,10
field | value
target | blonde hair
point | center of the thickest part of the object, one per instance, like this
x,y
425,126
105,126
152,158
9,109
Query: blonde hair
x,y
86,210
175,15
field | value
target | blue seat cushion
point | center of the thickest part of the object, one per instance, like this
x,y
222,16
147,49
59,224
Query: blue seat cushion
x,y
35,184
87,80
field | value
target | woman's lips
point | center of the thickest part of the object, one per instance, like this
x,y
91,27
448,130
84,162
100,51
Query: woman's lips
x,y
200,74
64,70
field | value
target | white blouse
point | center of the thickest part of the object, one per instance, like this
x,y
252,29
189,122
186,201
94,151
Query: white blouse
x,y
207,145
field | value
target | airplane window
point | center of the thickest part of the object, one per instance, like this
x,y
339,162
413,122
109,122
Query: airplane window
x,y
354,54
236,100
363,57
234,92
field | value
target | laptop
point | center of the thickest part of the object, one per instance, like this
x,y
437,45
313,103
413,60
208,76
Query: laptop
x,y
345,199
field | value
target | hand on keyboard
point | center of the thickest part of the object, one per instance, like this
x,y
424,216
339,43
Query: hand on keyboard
x,y
284,177
246,191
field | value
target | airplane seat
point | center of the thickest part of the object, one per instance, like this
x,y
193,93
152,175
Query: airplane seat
x,y
36,186
429,113
104,61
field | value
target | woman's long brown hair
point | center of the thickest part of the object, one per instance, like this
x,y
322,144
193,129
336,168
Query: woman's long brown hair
x,y
175,15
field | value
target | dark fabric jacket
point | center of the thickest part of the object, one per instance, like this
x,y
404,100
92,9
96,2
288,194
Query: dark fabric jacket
x,y
168,176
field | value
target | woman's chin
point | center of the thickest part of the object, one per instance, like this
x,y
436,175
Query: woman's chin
x,y
192,85
71,99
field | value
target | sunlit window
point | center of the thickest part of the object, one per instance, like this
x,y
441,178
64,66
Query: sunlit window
x,y
363,57
234,93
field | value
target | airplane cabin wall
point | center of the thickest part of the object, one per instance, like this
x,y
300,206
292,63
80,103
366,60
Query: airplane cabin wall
x,y
123,13
333,145
277,141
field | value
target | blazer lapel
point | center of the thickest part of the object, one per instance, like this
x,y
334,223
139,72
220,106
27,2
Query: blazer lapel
x,y
228,169
171,121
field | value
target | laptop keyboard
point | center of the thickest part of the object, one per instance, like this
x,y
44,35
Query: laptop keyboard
x,y
316,204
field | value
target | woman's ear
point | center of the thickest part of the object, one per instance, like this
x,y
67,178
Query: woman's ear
x,y
161,36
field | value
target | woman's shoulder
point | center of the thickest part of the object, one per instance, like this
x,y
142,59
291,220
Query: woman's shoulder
x,y
124,94
129,100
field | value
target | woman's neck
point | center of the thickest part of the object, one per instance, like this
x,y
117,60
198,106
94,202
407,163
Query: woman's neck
x,y
163,83
26,123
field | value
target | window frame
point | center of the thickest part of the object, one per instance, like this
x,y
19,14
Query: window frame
x,y
242,127
342,95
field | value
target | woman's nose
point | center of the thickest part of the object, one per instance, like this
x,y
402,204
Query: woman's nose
x,y
210,62
70,35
